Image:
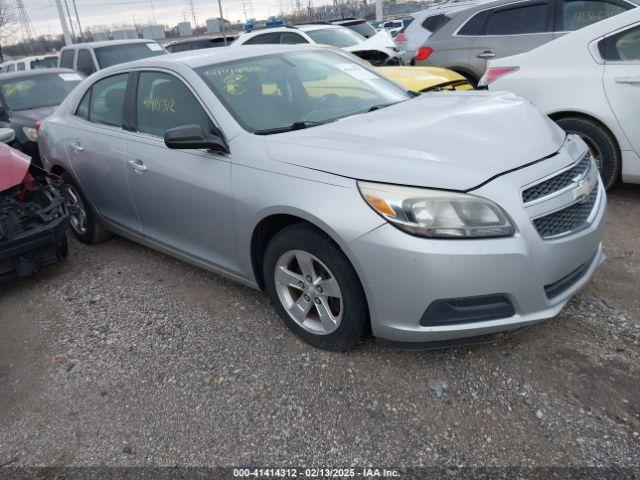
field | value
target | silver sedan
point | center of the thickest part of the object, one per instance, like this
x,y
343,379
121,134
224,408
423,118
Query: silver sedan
x,y
354,204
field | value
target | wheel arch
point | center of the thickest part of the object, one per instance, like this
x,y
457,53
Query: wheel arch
x,y
562,114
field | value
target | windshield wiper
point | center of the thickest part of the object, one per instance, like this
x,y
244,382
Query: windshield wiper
x,y
294,126
382,105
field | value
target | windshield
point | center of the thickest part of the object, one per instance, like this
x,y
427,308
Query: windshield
x,y
363,28
115,54
47,62
336,37
38,91
297,89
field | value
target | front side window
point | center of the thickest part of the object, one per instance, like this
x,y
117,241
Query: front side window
x,y
519,20
622,47
66,59
336,37
85,62
263,39
107,100
38,91
165,102
276,91
116,54
580,13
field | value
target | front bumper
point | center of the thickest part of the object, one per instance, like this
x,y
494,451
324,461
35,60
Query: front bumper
x,y
404,275
33,249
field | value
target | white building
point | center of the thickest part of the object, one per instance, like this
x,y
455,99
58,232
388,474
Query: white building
x,y
185,29
153,32
214,25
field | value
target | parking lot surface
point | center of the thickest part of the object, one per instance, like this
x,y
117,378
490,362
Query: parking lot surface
x,y
124,356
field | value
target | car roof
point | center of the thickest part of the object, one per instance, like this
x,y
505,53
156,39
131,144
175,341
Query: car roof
x,y
107,43
34,73
210,56
200,38
304,27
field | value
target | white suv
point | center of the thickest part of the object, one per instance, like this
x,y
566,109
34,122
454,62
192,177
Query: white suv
x,y
379,49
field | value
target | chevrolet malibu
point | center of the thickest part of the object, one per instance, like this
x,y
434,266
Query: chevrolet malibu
x,y
353,203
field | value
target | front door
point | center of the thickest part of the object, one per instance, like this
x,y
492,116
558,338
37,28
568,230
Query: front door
x,y
95,148
183,197
621,52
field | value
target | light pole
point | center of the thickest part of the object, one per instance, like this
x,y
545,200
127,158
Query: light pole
x,y
63,22
224,33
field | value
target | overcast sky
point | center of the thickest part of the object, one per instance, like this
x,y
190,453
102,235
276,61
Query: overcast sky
x,y
44,14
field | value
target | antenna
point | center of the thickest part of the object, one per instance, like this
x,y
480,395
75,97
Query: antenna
x,y
247,8
193,14
25,24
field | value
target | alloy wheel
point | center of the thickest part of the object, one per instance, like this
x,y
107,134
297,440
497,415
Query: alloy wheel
x,y
77,212
309,292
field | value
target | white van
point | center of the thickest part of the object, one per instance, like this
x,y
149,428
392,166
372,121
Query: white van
x,y
30,63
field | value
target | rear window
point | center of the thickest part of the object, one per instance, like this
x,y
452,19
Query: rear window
x,y
66,59
435,23
580,13
48,62
115,54
336,37
39,90
363,28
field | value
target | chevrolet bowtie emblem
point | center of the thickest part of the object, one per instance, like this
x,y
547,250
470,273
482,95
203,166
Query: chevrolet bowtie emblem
x,y
584,189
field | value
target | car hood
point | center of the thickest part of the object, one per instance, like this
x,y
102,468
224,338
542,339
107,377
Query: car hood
x,y
380,41
28,118
420,78
450,140
14,166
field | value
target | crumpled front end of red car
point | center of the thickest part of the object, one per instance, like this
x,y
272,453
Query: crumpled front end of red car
x,y
33,220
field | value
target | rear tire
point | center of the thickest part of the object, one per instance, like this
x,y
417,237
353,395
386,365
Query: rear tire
x,y
601,143
319,298
84,223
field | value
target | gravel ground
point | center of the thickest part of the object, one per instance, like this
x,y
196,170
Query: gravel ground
x,y
124,356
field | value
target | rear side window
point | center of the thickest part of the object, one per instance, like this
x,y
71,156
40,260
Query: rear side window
x,y
434,23
179,47
580,13
519,20
83,107
289,38
85,62
115,54
20,66
66,59
265,38
165,102
11,68
622,47
107,100
476,25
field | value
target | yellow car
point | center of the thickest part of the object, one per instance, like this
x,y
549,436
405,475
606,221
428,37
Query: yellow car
x,y
425,79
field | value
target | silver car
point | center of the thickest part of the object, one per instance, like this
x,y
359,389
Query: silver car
x,y
353,203
463,39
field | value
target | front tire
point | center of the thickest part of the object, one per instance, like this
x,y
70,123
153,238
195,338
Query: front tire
x,y
84,223
314,288
601,143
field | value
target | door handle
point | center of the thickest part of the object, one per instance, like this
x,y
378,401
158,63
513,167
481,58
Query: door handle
x,y
627,79
486,54
137,165
76,147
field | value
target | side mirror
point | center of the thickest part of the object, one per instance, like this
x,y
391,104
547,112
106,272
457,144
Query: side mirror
x,y
191,137
7,135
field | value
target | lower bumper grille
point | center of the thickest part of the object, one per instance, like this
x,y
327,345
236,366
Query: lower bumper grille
x,y
565,283
568,220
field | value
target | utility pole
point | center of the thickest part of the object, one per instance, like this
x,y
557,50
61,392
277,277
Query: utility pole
x,y
379,13
73,32
224,28
75,9
65,29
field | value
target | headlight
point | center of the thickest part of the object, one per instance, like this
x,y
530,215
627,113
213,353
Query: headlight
x,y
437,213
31,133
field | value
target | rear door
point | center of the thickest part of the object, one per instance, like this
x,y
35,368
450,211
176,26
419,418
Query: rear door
x,y
95,149
512,29
183,196
621,52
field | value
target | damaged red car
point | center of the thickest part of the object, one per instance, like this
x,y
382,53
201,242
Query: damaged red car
x,y
33,220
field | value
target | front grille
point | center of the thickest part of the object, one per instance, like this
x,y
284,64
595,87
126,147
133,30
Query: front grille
x,y
556,183
567,220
